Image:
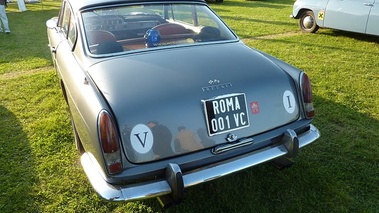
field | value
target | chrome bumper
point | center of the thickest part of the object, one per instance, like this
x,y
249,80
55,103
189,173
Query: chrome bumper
x,y
159,188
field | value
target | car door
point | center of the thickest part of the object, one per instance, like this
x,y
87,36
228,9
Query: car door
x,y
373,20
55,34
62,38
349,15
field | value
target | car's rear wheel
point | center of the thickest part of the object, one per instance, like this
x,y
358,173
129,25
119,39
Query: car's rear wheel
x,y
307,22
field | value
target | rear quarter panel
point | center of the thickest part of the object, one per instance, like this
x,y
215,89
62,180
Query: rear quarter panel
x,y
83,99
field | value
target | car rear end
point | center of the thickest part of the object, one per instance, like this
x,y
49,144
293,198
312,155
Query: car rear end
x,y
175,126
177,114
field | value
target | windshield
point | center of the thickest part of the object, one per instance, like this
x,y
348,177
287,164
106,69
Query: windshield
x,y
136,27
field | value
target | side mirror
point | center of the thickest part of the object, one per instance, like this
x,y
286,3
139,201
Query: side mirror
x,y
51,23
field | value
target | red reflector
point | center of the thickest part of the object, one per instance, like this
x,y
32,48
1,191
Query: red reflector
x,y
309,110
115,168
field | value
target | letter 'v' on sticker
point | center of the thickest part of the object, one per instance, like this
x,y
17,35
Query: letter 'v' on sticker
x,y
141,138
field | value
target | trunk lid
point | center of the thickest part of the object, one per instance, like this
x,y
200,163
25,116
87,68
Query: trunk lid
x,y
180,100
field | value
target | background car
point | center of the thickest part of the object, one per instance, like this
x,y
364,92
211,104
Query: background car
x,y
360,16
163,96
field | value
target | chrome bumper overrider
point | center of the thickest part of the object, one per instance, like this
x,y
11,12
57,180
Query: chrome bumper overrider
x,y
164,187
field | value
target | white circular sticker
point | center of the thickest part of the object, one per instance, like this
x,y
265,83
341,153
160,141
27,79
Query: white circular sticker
x,y
289,101
141,138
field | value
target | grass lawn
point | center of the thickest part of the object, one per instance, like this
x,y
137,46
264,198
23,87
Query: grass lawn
x,y
40,169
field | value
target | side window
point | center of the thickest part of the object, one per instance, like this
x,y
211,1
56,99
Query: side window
x,y
182,13
204,18
72,32
65,20
191,14
67,23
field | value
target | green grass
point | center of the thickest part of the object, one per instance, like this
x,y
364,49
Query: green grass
x,y
40,169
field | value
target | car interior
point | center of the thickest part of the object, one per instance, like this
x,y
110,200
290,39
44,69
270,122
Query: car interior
x,y
117,32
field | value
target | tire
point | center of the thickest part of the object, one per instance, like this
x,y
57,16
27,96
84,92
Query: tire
x,y
307,22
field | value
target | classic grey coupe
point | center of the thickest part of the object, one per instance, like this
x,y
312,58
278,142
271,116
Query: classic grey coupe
x,y
163,96
360,16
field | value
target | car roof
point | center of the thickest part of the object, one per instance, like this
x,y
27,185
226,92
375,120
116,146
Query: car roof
x,y
83,4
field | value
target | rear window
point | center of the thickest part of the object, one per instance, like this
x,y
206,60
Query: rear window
x,y
126,28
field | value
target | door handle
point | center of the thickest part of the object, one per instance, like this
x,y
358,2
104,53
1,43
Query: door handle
x,y
368,4
53,50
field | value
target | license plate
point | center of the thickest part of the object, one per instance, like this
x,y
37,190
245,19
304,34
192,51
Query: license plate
x,y
226,113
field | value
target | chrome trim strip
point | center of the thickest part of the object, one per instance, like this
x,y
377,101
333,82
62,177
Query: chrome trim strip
x,y
147,190
229,146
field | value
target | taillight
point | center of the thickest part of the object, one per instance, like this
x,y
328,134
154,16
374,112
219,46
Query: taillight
x,y
110,143
306,90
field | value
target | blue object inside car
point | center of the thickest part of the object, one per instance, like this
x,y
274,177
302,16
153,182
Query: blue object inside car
x,y
152,38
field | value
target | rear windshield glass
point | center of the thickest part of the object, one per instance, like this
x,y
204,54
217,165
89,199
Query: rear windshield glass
x,y
125,28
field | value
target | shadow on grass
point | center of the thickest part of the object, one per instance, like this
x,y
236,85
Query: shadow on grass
x,y
357,36
337,173
16,165
323,45
279,23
